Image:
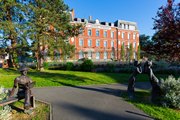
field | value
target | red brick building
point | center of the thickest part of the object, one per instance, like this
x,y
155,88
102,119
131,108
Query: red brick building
x,y
102,41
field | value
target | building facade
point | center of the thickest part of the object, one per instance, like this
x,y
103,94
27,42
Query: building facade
x,y
102,41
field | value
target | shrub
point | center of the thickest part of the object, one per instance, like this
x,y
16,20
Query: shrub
x,y
110,67
5,111
46,65
69,66
171,92
87,65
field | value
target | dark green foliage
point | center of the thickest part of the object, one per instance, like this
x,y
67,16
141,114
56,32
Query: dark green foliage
x,y
171,92
69,66
139,53
46,65
50,29
87,65
166,40
110,67
13,29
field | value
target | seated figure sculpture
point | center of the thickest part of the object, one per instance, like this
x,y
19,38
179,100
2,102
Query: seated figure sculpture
x,y
24,84
131,84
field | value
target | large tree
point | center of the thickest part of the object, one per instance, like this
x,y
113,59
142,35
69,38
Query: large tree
x,y
166,40
145,44
12,24
51,27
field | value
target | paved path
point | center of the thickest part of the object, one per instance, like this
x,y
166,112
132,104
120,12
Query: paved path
x,y
102,102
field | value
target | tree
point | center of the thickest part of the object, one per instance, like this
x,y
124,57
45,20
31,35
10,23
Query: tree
x,y
145,44
144,41
166,40
131,52
122,52
138,53
50,27
12,23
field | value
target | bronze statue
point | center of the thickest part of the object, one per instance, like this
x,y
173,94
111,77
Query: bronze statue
x,y
24,84
132,79
155,83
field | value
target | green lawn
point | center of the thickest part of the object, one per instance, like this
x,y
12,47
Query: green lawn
x,y
142,101
72,78
68,78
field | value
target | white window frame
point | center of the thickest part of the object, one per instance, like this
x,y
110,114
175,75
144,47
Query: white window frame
x,y
112,34
112,55
97,55
105,55
134,36
112,43
134,45
97,32
105,35
81,54
81,44
123,35
89,42
89,33
97,43
128,36
105,44
128,45
89,55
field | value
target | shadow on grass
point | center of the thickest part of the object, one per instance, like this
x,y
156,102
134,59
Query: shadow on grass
x,y
48,75
9,71
142,101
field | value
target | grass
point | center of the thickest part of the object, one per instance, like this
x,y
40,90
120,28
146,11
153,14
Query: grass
x,y
41,112
68,78
142,101
74,78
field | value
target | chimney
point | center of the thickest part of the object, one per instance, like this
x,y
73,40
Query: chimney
x,y
72,14
90,18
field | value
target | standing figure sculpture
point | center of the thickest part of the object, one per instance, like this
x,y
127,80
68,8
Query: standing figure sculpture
x,y
132,79
24,84
155,83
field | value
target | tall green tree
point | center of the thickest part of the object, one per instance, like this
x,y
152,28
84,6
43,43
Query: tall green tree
x,y
139,53
131,52
12,17
122,52
166,40
145,44
50,27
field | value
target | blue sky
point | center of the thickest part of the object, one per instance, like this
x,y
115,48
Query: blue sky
x,y
140,11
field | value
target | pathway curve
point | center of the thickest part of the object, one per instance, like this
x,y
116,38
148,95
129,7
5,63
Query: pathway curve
x,y
99,102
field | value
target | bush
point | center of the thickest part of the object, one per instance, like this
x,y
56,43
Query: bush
x,y
87,65
171,92
46,65
5,111
163,67
69,66
110,67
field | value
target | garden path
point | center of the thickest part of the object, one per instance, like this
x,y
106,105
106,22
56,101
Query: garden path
x,y
97,102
